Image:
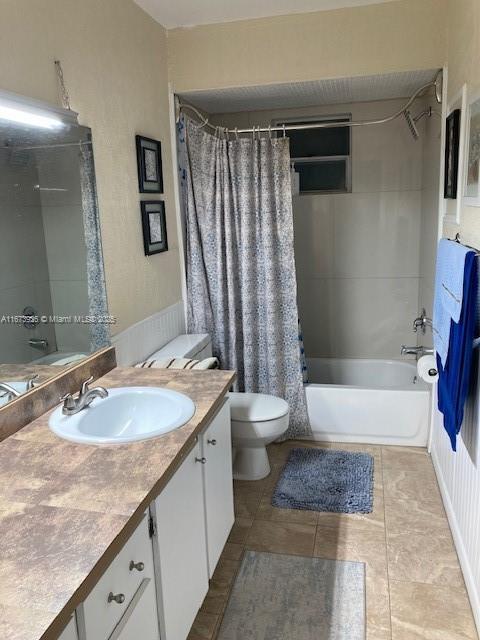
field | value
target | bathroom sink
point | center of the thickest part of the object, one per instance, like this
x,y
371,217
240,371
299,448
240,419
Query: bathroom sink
x,y
128,414
19,386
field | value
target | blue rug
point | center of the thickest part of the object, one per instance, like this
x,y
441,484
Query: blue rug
x,y
281,597
326,480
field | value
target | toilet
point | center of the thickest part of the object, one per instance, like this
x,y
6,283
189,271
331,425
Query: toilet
x,y
257,420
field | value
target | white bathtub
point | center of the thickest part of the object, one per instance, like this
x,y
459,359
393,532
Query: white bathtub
x,y
368,401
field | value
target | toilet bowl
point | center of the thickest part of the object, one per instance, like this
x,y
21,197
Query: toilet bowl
x,y
257,420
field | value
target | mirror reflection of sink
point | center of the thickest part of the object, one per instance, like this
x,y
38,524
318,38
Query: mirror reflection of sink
x,y
19,386
128,414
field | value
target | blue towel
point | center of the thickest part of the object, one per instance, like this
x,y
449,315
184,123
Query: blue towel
x,y
449,281
454,376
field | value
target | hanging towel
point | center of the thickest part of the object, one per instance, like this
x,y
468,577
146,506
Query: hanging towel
x,y
179,363
454,376
449,281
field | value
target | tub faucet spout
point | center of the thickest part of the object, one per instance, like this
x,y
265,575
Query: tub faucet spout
x,y
416,351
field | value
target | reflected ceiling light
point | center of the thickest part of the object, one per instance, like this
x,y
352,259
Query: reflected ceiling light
x,y
21,116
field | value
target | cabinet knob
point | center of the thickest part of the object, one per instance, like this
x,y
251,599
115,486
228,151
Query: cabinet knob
x,y
139,566
212,442
202,460
119,598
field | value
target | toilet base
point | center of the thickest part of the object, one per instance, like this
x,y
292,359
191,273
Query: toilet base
x,y
251,463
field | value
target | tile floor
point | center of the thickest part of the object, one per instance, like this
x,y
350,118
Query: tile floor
x,y
414,585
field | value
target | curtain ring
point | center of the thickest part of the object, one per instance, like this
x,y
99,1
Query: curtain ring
x,y
227,134
284,130
270,131
236,133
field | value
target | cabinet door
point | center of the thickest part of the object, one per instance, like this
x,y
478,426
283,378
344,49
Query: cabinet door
x,y
70,631
182,559
139,621
218,482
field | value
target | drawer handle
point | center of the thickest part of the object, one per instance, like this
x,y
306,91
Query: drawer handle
x,y
212,442
201,460
139,566
119,598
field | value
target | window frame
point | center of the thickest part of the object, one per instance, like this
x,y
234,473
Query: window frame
x,y
319,159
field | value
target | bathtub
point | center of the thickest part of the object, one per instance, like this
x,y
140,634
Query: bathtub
x,y
367,401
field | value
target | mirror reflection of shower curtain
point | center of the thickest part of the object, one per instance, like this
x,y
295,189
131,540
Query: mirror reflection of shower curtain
x,y
241,282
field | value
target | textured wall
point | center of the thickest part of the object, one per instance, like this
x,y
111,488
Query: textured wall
x,y
393,36
115,63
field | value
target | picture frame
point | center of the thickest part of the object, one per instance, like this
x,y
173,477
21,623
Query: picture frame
x,y
452,208
154,226
471,190
452,147
149,165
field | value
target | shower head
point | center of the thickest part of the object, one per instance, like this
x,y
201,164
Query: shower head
x,y
411,124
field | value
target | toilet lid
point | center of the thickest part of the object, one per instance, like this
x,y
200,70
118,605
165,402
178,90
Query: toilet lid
x,y
256,407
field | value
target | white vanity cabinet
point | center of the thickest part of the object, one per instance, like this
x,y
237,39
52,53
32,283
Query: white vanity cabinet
x,y
182,579
70,631
123,601
194,515
216,447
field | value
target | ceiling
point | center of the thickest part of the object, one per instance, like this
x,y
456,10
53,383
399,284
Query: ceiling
x,y
308,94
187,13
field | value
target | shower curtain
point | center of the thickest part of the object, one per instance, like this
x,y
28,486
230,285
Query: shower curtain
x,y
241,283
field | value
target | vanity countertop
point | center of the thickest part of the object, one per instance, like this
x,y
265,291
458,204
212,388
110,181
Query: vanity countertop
x,y
66,509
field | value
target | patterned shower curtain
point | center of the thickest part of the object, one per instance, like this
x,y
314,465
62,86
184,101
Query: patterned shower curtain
x,y
241,280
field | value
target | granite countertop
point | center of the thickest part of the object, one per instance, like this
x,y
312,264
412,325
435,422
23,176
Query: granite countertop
x,y
66,509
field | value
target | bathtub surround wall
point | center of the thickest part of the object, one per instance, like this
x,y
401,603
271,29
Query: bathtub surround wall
x,y
24,275
119,91
358,254
459,473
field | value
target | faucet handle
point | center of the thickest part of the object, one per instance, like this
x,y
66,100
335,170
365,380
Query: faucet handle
x,y
68,401
84,387
31,380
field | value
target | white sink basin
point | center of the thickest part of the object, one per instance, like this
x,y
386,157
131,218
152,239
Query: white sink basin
x,y
128,414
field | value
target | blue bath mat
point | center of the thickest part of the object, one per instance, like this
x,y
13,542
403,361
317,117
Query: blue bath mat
x,y
326,480
280,597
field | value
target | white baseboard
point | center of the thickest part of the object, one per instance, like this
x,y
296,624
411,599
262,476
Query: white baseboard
x,y
143,338
459,544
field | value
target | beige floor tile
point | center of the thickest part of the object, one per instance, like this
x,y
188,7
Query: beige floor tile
x,y
220,585
406,459
378,608
427,612
281,537
246,504
407,485
204,626
240,530
411,515
232,551
362,542
416,557
267,512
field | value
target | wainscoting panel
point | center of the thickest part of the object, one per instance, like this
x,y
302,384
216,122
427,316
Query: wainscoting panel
x,y
143,338
459,479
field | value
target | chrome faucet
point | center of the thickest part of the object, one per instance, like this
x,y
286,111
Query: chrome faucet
x,y
10,391
422,322
416,351
72,405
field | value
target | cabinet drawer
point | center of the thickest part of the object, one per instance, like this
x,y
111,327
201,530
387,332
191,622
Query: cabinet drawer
x,y
123,577
138,621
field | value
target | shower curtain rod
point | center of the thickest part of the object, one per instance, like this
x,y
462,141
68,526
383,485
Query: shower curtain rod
x,y
317,125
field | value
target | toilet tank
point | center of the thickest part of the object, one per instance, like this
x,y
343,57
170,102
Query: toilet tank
x,y
196,346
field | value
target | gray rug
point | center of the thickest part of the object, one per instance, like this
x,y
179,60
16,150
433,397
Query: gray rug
x,y
326,480
280,597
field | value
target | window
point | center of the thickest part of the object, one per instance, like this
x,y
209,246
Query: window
x,y
321,156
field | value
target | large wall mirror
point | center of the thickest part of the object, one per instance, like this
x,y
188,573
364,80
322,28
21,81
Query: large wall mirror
x,y
53,308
